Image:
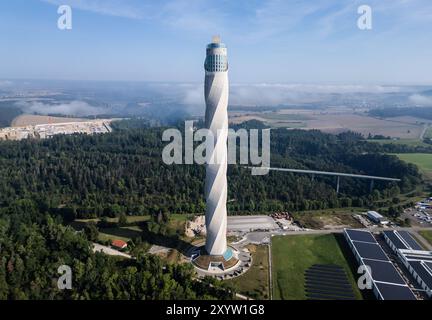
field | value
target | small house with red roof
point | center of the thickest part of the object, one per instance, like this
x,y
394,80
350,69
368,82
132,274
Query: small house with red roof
x,y
119,244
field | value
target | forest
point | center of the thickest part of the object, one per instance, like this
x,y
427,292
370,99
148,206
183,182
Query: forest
x,y
418,112
33,246
122,172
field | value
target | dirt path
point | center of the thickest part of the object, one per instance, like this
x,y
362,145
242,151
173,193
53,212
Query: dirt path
x,y
109,251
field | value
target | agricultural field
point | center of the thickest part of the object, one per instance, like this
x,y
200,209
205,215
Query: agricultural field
x,y
428,134
255,282
336,120
407,142
273,120
422,160
29,119
293,255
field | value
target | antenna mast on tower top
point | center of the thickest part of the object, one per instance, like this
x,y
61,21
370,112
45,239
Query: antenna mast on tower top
x,y
216,39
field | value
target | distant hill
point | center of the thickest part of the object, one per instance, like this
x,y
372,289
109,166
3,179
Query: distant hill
x,y
8,112
418,112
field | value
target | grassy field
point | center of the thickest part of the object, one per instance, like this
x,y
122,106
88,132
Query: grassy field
x,y
422,160
428,134
133,229
427,234
408,142
292,255
255,282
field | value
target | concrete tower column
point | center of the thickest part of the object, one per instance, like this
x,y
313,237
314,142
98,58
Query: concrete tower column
x,y
216,119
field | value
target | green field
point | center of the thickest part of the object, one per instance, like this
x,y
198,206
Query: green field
x,y
427,234
133,228
293,255
408,142
428,134
422,160
255,282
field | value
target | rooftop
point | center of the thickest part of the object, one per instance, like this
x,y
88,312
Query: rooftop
x,y
119,243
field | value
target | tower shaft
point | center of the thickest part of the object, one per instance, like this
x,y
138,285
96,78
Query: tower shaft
x,y
216,118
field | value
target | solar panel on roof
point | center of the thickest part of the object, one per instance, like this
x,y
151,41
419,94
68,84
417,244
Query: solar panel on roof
x,y
395,292
410,240
357,235
370,251
395,240
384,271
422,272
417,257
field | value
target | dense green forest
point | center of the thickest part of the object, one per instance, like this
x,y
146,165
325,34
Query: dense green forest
x,y
104,175
34,245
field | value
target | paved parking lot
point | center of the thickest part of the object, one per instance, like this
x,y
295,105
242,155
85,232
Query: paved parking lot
x,y
419,217
249,223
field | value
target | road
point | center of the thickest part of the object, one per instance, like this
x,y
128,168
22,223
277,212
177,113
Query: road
x,y
109,251
259,237
270,272
425,128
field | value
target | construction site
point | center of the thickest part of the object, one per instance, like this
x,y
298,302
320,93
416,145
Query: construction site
x,y
44,131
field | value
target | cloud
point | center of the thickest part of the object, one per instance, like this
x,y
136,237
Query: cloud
x,y
258,20
278,94
194,95
74,108
421,100
118,8
5,83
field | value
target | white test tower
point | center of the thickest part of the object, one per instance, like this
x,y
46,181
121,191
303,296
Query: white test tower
x,y
216,119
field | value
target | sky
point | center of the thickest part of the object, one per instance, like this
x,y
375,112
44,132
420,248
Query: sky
x,y
273,41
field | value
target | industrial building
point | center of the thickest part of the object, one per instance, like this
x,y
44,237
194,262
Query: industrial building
x,y
376,217
411,254
387,282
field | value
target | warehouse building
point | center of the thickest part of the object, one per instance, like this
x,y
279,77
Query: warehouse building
x,y
416,260
387,283
376,217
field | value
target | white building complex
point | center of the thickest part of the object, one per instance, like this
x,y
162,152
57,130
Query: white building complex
x,y
216,119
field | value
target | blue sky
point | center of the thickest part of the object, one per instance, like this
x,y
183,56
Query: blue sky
x,y
273,41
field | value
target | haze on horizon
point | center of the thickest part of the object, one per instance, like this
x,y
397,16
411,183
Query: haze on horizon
x,y
269,42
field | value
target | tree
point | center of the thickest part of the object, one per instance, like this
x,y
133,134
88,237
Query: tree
x,y
122,221
91,231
